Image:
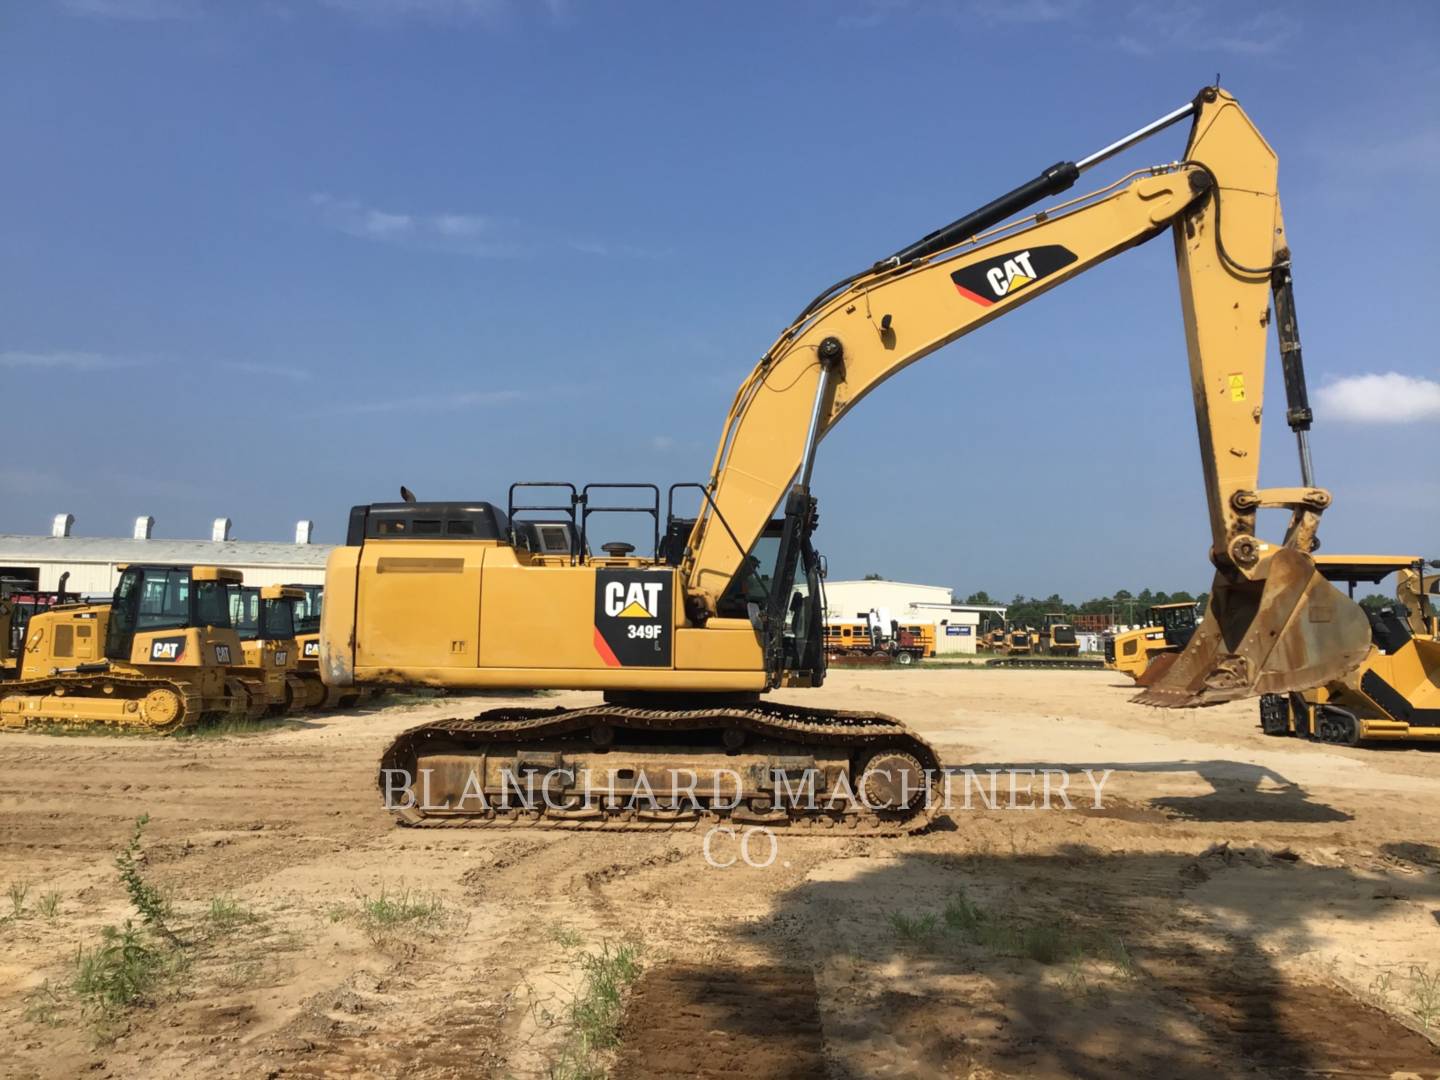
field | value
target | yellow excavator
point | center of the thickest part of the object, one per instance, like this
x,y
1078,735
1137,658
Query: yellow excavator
x,y
1394,695
158,657
683,641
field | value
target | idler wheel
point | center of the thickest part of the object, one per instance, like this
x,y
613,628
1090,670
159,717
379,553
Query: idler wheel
x,y
893,781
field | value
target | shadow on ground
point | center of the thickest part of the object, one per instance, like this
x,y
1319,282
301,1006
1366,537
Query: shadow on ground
x,y
1075,963
1240,790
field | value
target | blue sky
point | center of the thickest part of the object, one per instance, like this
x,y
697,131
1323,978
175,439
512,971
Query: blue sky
x,y
269,259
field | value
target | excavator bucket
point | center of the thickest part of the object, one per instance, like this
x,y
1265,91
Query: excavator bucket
x,y
1288,629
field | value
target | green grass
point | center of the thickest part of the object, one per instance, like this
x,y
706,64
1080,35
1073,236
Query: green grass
x,y
962,921
226,726
404,908
149,902
565,936
226,913
49,904
912,928
18,891
119,972
1425,996
596,1010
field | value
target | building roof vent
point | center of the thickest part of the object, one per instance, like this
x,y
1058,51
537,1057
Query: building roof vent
x,y
220,530
303,531
62,524
144,526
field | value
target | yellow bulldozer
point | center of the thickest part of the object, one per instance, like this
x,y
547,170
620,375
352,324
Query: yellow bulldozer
x,y
683,640
264,620
307,606
1058,637
1394,695
160,656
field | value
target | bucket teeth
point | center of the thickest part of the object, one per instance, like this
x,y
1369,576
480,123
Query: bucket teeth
x,y
1288,629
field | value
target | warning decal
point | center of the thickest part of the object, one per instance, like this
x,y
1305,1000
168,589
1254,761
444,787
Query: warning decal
x,y
634,615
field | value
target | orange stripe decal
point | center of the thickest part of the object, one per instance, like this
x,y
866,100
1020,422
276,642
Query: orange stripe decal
x,y
603,648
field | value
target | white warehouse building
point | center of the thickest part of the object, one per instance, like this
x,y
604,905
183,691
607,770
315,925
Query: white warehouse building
x,y
92,562
957,626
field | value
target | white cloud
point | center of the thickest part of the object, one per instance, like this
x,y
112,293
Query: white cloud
x,y
466,234
426,9
1025,11
662,444
428,403
132,10
1161,27
279,371
461,224
64,361
1389,398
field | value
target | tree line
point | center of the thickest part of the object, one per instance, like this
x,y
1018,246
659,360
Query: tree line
x,y
1123,605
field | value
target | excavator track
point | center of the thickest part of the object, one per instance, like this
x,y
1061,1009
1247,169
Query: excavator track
x,y
593,735
160,706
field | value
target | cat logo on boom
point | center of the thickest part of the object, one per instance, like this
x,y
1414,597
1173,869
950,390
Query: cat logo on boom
x,y
999,276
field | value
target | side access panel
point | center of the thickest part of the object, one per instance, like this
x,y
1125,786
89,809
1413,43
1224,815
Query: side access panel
x,y
578,617
418,606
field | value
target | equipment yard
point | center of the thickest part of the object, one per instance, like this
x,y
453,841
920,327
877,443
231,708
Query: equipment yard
x,y
1238,905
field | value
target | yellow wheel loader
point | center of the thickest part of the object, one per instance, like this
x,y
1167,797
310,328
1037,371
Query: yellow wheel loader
x,y
1168,629
1394,695
264,620
157,657
685,638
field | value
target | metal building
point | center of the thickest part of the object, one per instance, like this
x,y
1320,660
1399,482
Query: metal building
x,y
92,562
956,625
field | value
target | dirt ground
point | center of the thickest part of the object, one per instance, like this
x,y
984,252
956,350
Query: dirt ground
x,y
1237,906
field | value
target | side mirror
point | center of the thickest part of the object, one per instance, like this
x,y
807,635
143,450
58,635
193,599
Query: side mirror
x,y
824,568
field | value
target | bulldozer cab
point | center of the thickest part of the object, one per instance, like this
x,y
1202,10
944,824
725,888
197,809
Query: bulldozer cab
x,y
263,614
307,607
1177,620
151,598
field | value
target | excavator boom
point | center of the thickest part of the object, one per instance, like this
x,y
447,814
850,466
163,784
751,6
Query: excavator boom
x,y
1273,622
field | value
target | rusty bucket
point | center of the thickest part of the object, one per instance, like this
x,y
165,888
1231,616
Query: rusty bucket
x,y
1288,629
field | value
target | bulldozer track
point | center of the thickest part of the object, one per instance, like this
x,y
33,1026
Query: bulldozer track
x,y
131,687
796,724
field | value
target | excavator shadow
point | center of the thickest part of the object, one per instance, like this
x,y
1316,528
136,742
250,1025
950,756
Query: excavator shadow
x,y
1076,962
1240,790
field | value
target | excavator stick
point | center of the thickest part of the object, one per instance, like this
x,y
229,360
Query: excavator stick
x,y
1287,629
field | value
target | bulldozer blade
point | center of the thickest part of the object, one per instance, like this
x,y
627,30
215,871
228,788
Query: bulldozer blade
x,y
1287,630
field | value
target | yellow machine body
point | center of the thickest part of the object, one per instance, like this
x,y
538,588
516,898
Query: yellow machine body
x,y
307,607
1394,696
163,669
263,617
1058,638
682,640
